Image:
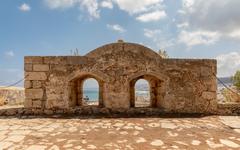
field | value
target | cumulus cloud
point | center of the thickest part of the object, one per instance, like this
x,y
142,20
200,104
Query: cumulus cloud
x,y
156,35
25,7
198,37
143,10
116,27
152,33
91,6
60,4
213,15
107,4
152,16
9,54
228,64
138,6
183,25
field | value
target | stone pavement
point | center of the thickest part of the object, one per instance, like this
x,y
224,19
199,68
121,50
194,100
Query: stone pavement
x,y
210,132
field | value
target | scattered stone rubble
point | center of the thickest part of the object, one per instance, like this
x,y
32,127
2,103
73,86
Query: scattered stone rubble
x,y
11,96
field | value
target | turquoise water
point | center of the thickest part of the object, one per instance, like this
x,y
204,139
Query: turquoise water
x,y
93,94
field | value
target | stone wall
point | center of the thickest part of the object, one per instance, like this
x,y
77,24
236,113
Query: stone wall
x,y
176,85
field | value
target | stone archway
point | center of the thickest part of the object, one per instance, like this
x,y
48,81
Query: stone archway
x,y
142,93
76,90
156,89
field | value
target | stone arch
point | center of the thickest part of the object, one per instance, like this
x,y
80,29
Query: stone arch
x,y
144,99
157,75
79,73
76,88
157,83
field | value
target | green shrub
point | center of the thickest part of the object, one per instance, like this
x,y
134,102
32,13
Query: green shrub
x,y
236,80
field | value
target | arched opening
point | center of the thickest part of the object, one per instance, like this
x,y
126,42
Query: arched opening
x,y
90,92
155,92
86,90
142,93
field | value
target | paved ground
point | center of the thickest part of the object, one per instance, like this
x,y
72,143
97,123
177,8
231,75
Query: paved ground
x,y
121,133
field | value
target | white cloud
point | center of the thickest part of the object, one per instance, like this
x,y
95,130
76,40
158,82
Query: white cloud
x,y
138,6
145,10
235,34
152,33
188,3
156,35
91,6
25,7
9,54
116,27
220,16
198,37
183,25
152,16
62,4
107,4
228,64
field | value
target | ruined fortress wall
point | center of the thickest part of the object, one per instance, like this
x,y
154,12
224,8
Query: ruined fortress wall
x,y
192,85
176,85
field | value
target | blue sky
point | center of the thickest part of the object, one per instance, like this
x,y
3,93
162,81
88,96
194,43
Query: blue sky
x,y
185,28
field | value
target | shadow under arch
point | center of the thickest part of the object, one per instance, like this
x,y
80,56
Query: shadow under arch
x,y
157,83
75,85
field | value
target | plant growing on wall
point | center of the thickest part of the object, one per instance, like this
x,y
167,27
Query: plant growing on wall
x,y
163,53
75,52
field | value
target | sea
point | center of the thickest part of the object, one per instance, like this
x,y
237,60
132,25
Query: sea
x,y
92,94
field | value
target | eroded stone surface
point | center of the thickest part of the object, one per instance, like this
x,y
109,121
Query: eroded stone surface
x,y
176,85
86,133
229,143
231,121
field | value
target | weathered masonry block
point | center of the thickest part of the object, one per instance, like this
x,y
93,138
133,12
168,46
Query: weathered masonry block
x,y
38,67
176,85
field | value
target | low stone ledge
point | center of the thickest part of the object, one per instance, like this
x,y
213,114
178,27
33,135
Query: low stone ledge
x,y
33,60
90,112
94,111
228,109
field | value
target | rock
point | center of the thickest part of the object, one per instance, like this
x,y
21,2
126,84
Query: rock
x,y
36,147
209,95
168,125
140,140
195,142
34,93
40,67
229,143
36,76
157,142
231,121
